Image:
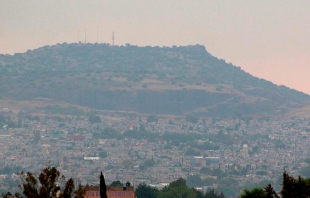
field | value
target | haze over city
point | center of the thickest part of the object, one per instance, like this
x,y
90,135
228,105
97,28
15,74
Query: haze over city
x,y
269,39
154,99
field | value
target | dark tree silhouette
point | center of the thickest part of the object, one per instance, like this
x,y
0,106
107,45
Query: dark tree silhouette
x,y
144,190
270,193
254,193
69,189
103,187
94,119
191,118
116,183
152,118
45,185
291,188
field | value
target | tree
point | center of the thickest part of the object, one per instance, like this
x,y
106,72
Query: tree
x,y
192,152
149,163
116,183
219,173
191,118
205,170
254,193
45,185
128,163
37,136
69,189
178,183
269,192
94,119
261,173
103,187
108,133
103,154
193,181
152,118
143,191
213,194
291,188
176,189
142,128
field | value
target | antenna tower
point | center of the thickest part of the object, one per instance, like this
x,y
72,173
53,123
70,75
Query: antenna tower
x,y
113,38
97,34
85,35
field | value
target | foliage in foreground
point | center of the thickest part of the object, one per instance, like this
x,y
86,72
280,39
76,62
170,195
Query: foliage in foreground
x,y
291,188
177,189
47,185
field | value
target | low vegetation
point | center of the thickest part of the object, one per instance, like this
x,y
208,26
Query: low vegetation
x,y
177,80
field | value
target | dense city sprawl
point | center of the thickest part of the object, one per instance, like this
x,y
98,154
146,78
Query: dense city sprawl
x,y
226,154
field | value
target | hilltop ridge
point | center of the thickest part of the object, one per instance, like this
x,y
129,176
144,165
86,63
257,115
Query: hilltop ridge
x,y
153,80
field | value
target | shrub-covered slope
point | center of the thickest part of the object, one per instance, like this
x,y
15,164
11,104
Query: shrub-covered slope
x,y
163,80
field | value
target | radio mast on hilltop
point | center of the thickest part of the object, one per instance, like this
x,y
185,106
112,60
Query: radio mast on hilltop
x,y
113,38
85,35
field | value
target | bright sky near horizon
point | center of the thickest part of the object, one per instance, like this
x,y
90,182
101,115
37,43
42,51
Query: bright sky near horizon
x,y
268,38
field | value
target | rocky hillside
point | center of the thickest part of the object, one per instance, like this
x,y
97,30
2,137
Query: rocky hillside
x,y
154,80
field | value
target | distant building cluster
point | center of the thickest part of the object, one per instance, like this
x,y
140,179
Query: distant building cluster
x,y
249,150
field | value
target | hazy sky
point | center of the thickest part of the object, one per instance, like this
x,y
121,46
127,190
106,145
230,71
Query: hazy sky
x,y
268,38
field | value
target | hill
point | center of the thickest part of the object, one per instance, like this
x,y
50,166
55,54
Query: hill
x,y
153,80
